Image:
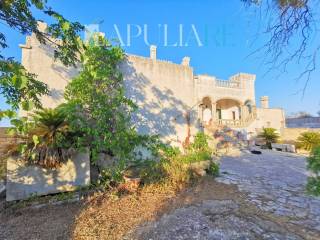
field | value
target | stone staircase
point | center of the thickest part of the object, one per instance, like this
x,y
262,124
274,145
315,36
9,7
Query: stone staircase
x,y
226,137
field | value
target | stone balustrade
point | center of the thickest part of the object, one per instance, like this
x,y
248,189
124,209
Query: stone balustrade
x,y
227,83
238,123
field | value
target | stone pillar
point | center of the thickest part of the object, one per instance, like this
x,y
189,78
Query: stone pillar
x,y
243,112
153,52
214,110
264,101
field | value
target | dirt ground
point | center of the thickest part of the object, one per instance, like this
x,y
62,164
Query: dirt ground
x,y
102,216
112,217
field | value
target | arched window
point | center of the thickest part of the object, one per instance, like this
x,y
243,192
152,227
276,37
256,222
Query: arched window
x,y
249,105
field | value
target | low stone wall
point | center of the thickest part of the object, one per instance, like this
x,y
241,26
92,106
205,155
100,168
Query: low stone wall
x,y
309,122
292,134
25,180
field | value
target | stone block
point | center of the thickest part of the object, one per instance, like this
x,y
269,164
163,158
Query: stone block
x,y
25,180
284,147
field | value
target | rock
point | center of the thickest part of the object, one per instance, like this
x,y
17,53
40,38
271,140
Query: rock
x,y
199,168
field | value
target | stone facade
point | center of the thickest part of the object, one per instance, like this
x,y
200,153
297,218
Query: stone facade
x,y
171,98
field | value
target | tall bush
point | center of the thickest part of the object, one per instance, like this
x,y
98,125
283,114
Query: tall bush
x,y
313,185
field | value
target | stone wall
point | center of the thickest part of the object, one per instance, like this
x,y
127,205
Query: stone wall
x,y
25,180
164,93
291,134
310,122
267,118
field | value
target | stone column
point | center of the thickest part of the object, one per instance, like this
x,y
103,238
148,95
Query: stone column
x,y
214,111
244,112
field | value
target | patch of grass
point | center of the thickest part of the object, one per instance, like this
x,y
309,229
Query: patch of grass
x,y
3,168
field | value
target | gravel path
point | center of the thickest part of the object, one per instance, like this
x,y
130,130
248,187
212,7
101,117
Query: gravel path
x,y
275,182
271,204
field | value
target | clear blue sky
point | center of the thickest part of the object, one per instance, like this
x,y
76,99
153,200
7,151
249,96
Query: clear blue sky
x,y
226,29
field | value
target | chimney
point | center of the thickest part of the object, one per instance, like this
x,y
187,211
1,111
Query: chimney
x,y
186,61
42,26
153,52
264,101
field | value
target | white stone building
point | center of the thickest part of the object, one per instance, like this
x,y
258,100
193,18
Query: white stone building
x,y
172,100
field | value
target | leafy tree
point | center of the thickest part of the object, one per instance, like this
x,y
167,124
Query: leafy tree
x,y
313,185
97,105
16,84
308,140
270,136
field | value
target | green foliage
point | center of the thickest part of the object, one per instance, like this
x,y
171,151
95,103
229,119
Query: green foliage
x,y
3,167
213,169
199,150
269,135
97,105
173,165
308,140
18,15
113,176
46,139
313,164
20,88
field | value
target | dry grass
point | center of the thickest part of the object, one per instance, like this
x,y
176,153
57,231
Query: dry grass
x,y
109,216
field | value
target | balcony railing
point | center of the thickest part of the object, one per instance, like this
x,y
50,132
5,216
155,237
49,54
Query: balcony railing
x,y
227,83
239,123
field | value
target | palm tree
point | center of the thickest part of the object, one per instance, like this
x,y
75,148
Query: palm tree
x,y
270,136
49,142
308,140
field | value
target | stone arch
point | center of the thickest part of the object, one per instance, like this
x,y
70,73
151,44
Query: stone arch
x,y
205,108
228,108
249,105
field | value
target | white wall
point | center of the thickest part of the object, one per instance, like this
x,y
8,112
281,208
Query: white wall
x,y
268,117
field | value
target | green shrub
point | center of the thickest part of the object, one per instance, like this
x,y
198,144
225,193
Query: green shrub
x,y
199,150
111,177
2,168
173,165
308,140
269,135
213,169
313,164
46,139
